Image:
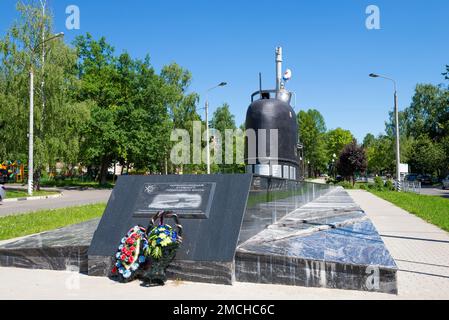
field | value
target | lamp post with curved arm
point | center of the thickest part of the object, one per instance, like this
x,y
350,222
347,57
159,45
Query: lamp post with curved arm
x,y
221,84
396,114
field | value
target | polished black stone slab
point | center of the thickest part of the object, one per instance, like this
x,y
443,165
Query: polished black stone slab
x,y
60,249
219,200
66,249
270,199
329,242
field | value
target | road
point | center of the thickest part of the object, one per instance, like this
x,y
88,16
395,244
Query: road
x,y
432,191
70,198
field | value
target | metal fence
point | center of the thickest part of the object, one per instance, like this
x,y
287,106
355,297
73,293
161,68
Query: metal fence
x,y
411,186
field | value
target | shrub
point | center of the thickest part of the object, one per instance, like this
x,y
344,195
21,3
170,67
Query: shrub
x,y
363,186
378,183
389,185
345,184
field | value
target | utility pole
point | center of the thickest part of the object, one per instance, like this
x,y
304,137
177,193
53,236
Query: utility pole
x,y
31,134
398,151
207,137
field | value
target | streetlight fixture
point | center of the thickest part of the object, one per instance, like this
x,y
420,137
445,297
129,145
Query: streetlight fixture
x,y
221,84
31,130
396,114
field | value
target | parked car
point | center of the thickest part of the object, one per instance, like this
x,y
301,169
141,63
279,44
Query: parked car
x,y
446,183
2,192
411,177
3,176
426,179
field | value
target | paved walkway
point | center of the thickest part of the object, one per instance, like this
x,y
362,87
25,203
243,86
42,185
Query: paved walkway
x,y
421,250
45,284
70,198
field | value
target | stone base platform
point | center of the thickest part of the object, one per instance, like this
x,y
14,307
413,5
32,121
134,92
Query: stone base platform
x,y
60,249
327,243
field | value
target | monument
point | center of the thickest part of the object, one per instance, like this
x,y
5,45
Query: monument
x,y
264,226
209,207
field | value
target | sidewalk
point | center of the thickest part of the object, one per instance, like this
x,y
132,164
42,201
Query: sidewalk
x,y
421,250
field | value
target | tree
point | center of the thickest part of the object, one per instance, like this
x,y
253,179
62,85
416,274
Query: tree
x,y
129,102
446,74
312,130
428,113
424,125
58,120
336,140
427,157
223,120
369,140
352,159
182,107
381,156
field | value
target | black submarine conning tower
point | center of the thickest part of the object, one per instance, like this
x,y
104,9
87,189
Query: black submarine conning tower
x,y
270,109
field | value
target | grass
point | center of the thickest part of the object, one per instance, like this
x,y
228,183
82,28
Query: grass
x,y
432,209
30,223
22,193
75,183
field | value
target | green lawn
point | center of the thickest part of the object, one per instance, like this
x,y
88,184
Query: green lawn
x,y
433,209
23,193
30,223
75,183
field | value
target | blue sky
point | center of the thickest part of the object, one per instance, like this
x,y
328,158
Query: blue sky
x,y
326,44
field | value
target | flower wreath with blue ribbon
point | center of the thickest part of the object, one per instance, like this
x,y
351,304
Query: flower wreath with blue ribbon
x,y
151,248
130,254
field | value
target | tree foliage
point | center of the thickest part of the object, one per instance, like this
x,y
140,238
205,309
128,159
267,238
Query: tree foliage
x,y
427,156
100,107
57,116
352,159
336,140
312,129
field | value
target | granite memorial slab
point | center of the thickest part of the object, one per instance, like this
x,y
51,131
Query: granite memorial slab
x,y
209,207
328,243
60,249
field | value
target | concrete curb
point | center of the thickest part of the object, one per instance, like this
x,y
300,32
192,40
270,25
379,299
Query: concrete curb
x,y
34,198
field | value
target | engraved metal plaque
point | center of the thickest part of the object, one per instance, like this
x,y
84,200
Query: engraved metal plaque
x,y
187,199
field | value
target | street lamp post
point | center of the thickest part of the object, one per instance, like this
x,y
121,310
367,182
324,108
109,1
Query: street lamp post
x,y
396,115
31,129
221,84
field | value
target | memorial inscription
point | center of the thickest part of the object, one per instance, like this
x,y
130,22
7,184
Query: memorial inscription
x,y
189,200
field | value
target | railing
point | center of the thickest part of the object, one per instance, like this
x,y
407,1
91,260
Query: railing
x,y
270,199
411,186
